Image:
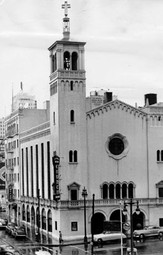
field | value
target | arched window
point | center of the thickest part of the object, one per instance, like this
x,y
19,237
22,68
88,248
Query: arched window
x,y
130,190
49,221
38,217
159,187
72,118
158,155
118,190
74,60
43,219
67,60
28,214
32,215
162,155
75,156
111,191
105,191
124,190
71,85
23,212
70,156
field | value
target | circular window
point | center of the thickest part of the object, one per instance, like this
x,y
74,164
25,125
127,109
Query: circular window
x,y
117,146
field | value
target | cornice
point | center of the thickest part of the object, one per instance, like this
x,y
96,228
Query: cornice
x,y
35,132
116,104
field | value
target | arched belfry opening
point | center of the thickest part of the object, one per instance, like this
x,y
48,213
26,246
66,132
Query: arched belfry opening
x,y
74,60
67,60
97,223
54,63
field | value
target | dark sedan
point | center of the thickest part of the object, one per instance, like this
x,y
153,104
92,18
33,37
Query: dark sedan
x,y
6,249
3,223
19,232
9,228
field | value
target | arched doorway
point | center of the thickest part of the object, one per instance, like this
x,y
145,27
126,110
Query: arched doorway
x,y
115,219
43,219
97,223
49,221
33,223
32,215
28,214
115,216
138,220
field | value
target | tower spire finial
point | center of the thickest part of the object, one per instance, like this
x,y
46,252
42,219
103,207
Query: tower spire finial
x,y
66,6
66,24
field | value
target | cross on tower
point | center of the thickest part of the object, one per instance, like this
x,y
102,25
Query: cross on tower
x,y
66,6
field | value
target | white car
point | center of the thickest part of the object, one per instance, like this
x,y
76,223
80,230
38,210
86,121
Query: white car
x,y
41,252
148,231
109,236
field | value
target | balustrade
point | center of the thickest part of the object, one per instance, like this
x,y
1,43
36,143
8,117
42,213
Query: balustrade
x,y
68,74
79,203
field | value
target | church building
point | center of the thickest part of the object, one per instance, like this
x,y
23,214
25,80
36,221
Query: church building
x,y
82,162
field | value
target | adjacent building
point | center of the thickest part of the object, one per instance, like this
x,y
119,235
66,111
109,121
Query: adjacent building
x,y
21,118
2,166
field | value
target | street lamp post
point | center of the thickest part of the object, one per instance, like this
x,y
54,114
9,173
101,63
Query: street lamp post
x,y
92,229
93,208
131,203
121,229
84,195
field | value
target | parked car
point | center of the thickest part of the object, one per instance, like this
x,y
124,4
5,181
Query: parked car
x,y
2,209
9,228
3,223
41,252
109,237
148,231
6,249
19,231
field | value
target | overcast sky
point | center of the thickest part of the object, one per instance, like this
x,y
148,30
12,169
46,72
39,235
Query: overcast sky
x,y
123,53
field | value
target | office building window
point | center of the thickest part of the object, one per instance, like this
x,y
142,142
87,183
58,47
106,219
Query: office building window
x,y
74,226
73,156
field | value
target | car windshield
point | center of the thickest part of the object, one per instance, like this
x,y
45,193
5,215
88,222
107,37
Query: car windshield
x,y
11,224
106,232
150,227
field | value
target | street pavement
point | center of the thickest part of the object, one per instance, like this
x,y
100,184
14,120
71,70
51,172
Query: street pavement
x,y
26,247
148,247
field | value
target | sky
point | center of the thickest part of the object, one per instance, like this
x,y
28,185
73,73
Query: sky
x,y
123,52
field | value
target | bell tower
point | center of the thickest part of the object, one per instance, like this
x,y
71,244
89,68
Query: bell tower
x,y
67,107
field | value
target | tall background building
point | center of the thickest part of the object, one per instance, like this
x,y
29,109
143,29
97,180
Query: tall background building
x,y
23,100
